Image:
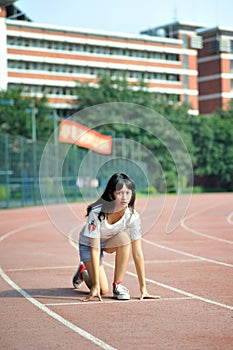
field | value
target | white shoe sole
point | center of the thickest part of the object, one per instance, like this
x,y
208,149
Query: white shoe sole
x,y
77,285
121,296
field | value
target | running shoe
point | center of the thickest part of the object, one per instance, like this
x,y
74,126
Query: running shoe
x,y
120,292
78,279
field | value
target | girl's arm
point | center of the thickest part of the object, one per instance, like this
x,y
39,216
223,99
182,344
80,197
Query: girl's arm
x,y
140,268
95,260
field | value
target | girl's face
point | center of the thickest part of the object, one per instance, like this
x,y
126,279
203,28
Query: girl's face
x,y
122,197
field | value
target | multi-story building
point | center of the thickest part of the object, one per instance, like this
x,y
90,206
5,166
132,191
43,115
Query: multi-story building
x,y
215,68
214,65
191,43
49,59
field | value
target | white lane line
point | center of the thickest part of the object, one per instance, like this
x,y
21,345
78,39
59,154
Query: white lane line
x,y
171,261
187,294
44,308
74,244
176,290
66,267
116,301
19,229
230,218
40,268
54,315
188,254
187,228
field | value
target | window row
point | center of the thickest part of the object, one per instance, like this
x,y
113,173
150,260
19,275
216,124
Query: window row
x,y
102,50
51,90
46,90
76,70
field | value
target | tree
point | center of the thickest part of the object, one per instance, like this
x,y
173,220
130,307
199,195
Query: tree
x,y
111,90
16,115
222,155
213,140
145,126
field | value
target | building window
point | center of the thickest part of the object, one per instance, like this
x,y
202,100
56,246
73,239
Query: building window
x,y
66,46
214,46
231,46
172,77
172,57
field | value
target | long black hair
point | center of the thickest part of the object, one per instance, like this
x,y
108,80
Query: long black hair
x,y
106,201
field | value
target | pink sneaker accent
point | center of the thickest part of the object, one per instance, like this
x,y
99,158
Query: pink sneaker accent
x,y
78,279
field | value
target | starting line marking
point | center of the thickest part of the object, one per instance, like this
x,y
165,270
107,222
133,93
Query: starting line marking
x,y
116,301
80,331
193,296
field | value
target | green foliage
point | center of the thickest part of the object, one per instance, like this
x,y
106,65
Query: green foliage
x,y
16,115
213,140
3,192
144,125
209,139
111,90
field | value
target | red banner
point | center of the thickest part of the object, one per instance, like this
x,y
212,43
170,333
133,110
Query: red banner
x,y
80,135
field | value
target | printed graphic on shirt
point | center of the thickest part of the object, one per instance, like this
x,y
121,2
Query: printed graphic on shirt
x,y
92,226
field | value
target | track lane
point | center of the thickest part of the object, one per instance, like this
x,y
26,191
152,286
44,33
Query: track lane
x,y
143,308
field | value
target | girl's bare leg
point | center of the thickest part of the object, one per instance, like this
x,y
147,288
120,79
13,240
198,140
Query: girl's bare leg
x,y
121,245
88,277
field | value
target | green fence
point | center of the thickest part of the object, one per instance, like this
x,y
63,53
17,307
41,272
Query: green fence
x,y
32,173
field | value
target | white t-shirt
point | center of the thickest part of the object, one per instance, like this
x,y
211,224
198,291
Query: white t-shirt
x,y
94,228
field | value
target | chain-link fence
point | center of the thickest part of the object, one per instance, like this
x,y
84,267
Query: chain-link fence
x,y
31,172
19,159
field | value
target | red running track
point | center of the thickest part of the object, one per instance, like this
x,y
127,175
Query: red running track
x,y
191,268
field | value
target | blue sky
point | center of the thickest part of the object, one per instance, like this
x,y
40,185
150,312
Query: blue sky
x,y
128,16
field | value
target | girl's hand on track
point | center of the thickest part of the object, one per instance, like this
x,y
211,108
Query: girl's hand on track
x,y
146,295
95,292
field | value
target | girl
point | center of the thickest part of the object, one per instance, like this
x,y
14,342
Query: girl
x,y
113,225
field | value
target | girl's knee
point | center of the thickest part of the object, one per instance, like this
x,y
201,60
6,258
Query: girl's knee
x,y
119,240
124,237
104,290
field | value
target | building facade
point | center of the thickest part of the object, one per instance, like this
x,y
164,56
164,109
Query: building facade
x,y
215,68
48,59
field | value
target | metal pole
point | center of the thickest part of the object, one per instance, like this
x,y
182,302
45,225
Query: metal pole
x,y
34,147
55,131
34,111
55,140
22,172
7,170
